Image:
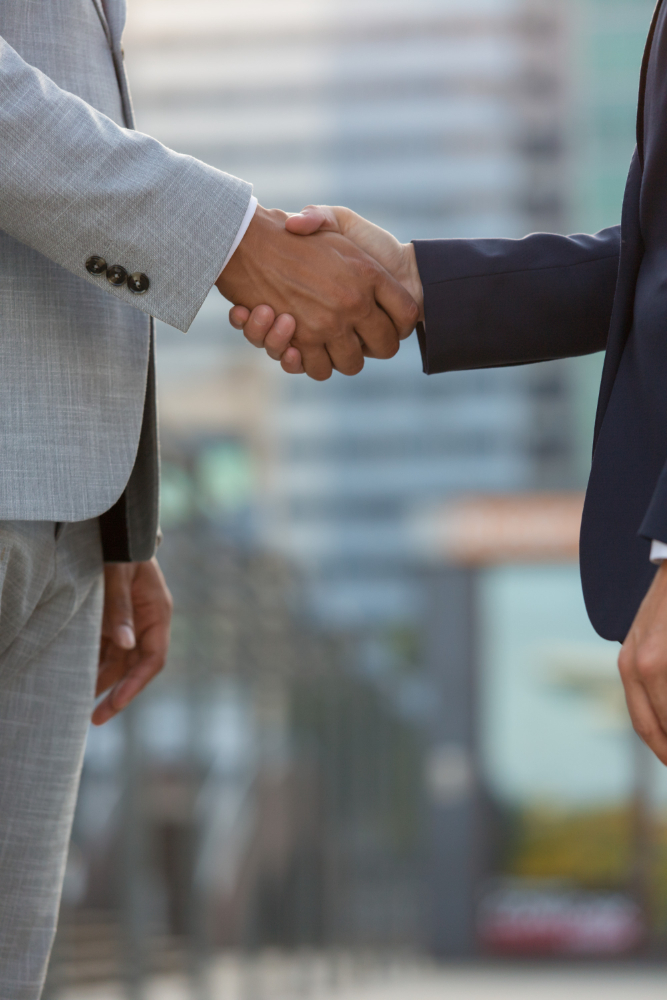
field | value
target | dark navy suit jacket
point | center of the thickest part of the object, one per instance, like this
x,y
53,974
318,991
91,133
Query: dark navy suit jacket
x,y
503,302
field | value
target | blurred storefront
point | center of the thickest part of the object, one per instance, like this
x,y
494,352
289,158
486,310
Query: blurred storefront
x,y
547,813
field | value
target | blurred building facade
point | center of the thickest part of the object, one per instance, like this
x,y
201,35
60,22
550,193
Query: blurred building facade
x,y
444,119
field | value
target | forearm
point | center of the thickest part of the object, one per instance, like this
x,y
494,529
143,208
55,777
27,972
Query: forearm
x,y
491,303
74,184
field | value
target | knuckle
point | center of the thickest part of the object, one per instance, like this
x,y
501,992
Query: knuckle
x,y
276,347
314,334
274,340
368,268
405,318
257,332
643,729
389,348
649,663
354,300
166,599
625,662
353,366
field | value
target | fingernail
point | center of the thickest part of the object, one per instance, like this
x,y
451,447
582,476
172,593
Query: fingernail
x,y
284,324
263,315
125,637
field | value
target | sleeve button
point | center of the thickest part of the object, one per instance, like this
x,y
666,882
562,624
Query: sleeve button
x,y
116,274
96,265
138,283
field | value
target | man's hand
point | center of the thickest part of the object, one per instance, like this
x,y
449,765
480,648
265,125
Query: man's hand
x,y
135,633
643,667
262,328
345,305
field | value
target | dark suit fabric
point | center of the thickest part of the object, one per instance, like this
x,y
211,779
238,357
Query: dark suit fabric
x,y
505,302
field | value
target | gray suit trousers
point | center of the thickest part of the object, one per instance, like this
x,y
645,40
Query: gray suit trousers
x,y
51,589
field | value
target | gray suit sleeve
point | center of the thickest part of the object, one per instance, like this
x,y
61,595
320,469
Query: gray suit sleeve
x,y
74,184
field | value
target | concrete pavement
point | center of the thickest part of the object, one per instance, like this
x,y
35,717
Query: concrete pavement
x,y
275,978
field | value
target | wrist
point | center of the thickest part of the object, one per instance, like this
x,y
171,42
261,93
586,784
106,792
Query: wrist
x,y
411,279
242,230
243,265
255,223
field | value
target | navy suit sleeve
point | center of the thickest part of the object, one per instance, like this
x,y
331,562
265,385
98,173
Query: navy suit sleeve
x,y
654,524
492,302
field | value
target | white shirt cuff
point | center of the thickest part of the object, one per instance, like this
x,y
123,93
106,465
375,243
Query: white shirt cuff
x,y
658,552
243,228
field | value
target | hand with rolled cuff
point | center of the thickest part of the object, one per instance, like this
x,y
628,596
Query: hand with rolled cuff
x,y
343,305
263,328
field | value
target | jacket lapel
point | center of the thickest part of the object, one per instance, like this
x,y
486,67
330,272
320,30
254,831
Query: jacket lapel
x,y
103,18
632,250
642,83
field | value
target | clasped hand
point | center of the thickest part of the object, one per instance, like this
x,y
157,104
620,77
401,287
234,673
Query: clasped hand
x,y
643,658
329,298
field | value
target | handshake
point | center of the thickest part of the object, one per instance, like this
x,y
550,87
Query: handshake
x,y
322,290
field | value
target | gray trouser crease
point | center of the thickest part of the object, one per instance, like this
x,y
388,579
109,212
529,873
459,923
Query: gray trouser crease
x,y
50,615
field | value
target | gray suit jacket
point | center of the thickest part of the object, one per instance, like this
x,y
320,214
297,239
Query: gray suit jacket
x,y
78,432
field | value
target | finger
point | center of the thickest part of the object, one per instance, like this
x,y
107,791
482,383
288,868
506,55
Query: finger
x,y
111,671
291,362
238,316
312,218
130,671
258,325
118,618
346,352
378,335
126,690
277,339
143,665
397,303
108,652
650,667
644,720
316,362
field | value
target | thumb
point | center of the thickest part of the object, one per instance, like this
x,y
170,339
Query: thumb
x,y
313,218
118,620
397,303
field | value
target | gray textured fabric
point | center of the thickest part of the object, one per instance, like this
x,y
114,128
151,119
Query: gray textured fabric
x,y
50,612
75,182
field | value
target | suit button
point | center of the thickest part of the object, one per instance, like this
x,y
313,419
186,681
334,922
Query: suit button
x,y
96,265
138,283
116,274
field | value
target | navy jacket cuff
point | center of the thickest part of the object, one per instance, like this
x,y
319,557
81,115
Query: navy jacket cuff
x,y
654,524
